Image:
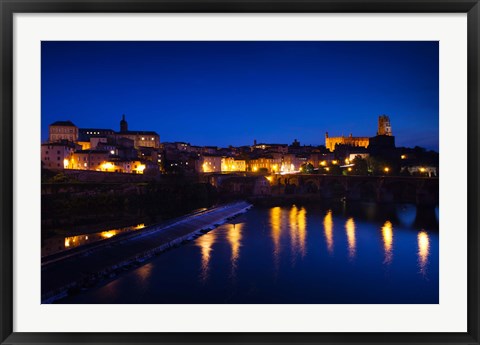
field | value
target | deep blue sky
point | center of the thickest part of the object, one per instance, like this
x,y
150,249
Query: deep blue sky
x,y
230,93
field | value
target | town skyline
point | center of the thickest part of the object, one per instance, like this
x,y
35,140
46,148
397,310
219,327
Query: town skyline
x,y
232,93
253,142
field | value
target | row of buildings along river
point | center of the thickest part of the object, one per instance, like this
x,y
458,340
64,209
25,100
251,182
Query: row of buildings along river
x,y
141,152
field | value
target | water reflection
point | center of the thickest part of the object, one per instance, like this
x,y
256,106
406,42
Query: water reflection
x,y
350,228
109,234
370,209
234,237
143,273
406,214
423,251
387,236
205,242
298,230
293,230
276,223
302,230
328,228
58,244
238,263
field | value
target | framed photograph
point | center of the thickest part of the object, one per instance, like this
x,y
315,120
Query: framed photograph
x,y
239,172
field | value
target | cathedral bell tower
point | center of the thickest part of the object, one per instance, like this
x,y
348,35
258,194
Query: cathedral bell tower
x,y
384,127
123,124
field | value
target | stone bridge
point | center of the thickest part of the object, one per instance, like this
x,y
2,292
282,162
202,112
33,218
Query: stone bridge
x,y
375,188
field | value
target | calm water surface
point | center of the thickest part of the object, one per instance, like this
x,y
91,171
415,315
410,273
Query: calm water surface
x,y
342,253
59,244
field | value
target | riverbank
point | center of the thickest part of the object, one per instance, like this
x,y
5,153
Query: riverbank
x,y
68,205
315,198
74,271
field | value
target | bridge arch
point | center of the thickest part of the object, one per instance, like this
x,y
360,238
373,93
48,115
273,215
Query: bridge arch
x,y
364,189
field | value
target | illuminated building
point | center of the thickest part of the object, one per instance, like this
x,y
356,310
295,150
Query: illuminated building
x,y
383,139
232,164
102,161
57,156
89,160
123,166
278,148
86,134
278,163
262,164
430,171
62,130
384,127
292,163
352,156
131,167
331,142
140,138
208,164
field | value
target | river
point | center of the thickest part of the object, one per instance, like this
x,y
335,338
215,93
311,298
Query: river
x,y
333,253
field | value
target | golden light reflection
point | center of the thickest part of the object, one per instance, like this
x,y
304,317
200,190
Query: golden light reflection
x,y
298,230
293,226
205,242
302,230
108,234
293,229
350,228
276,222
79,240
140,168
387,236
144,273
328,228
423,250
234,237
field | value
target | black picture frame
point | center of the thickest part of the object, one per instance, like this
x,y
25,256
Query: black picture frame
x,y
8,8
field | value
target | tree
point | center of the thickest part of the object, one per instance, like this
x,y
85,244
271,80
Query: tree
x,y
360,166
306,168
335,170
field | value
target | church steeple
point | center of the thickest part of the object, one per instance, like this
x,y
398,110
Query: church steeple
x,y
123,124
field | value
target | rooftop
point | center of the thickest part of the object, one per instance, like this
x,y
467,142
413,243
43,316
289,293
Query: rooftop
x,y
63,123
95,130
139,132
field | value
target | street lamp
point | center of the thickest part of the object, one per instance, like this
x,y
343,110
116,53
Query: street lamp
x,y
387,169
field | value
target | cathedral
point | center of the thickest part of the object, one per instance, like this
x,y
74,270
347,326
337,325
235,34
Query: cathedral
x,y
384,129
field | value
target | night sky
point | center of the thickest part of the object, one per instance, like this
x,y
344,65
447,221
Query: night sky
x,y
230,93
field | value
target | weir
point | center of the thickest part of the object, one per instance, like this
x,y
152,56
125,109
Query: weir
x,y
105,260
